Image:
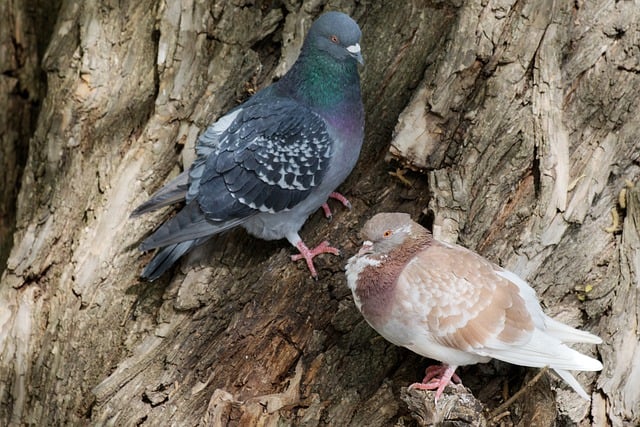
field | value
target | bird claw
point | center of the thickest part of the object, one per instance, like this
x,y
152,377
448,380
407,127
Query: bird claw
x,y
435,371
336,196
437,378
308,254
339,197
327,211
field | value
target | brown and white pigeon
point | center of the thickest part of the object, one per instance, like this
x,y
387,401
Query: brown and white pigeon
x,y
448,303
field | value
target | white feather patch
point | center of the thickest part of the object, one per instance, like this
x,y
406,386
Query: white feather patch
x,y
354,48
224,122
355,266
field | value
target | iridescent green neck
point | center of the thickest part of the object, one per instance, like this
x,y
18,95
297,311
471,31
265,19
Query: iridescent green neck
x,y
322,82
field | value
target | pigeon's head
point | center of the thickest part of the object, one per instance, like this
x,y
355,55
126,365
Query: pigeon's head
x,y
338,35
386,231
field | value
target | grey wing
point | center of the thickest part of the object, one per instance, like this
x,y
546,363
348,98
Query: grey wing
x,y
207,145
176,190
270,158
258,158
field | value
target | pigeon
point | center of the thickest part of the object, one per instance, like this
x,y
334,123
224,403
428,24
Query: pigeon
x,y
447,303
273,160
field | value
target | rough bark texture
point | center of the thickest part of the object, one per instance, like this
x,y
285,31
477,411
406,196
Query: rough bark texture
x,y
20,93
520,118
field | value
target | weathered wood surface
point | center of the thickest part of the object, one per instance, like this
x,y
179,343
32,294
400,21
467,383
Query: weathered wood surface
x,y
20,92
528,115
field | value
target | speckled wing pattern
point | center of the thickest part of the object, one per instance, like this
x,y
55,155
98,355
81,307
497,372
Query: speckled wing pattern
x,y
462,302
267,159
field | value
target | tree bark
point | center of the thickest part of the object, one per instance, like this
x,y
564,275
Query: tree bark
x,y
20,95
516,118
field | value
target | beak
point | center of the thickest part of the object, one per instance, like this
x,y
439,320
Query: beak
x,y
355,52
367,248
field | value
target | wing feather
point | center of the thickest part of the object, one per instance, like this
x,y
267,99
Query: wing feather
x,y
469,304
188,224
270,157
171,193
466,305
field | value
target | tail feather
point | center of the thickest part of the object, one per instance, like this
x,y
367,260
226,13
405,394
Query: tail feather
x,y
571,380
188,224
545,350
166,257
564,333
567,334
175,191
569,359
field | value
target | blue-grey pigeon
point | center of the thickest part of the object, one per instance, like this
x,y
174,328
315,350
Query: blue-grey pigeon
x,y
448,303
275,159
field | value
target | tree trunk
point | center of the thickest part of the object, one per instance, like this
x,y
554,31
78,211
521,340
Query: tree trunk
x,y
517,118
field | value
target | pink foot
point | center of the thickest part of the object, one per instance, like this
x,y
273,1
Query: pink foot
x,y
339,197
437,378
308,254
327,211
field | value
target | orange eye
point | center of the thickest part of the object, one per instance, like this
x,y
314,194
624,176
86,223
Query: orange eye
x,y
334,39
387,233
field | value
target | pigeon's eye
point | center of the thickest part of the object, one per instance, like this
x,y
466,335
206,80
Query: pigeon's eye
x,y
387,234
334,39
